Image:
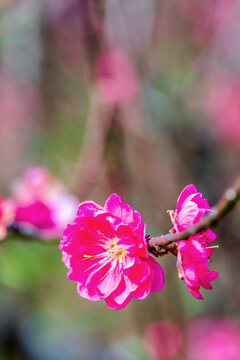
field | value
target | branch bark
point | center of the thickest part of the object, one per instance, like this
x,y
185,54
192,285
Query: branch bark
x,y
165,243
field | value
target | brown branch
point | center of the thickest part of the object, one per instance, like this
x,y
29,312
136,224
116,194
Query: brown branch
x,y
162,244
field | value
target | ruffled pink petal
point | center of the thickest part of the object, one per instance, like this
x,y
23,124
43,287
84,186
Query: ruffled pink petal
x,y
89,294
75,239
187,215
115,206
124,289
88,271
112,304
144,288
209,235
128,262
187,191
200,201
198,251
206,278
212,275
205,237
182,245
142,250
190,277
110,281
89,209
127,239
196,293
101,227
139,272
158,279
66,259
183,250
205,285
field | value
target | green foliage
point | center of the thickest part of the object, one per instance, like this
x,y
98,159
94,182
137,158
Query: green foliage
x,y
26,265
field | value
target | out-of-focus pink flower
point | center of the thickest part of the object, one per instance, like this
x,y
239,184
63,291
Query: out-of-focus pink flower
x,y
6,216
223,106
162,340
205,17
43,207
213,339
116,78
106,252
193,254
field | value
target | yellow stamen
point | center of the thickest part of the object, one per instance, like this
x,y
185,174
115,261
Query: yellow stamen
x,y
212,247
112,251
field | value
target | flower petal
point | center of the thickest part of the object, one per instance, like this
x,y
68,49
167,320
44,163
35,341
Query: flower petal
x,y
158,279
109,282
123,291
186,192
89,294
112,304
89,209
139,272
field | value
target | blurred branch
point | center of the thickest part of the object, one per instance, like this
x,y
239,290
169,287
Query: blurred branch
x,y
15,233
94,39
91,153
163,244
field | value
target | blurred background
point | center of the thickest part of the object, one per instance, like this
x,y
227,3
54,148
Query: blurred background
x,y
140,98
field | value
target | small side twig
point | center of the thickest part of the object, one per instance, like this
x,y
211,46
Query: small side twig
x,y
165,243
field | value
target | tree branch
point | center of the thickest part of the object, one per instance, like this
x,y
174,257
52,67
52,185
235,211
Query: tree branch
x,y
162,244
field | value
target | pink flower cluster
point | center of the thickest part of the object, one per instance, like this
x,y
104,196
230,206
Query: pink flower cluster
x,y
105,248
42,206
38,206
193,254
200,339
106,253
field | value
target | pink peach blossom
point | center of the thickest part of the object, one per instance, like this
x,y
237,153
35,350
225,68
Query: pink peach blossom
x,y
106,253
205,17
193,254
162,340
116,78
43,208
213,339
6,216
223,107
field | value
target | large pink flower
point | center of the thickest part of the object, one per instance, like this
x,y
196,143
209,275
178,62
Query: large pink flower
x,y
43,207
6,216
106,252
193,254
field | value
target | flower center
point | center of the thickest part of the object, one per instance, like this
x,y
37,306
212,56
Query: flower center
x,y
113,251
